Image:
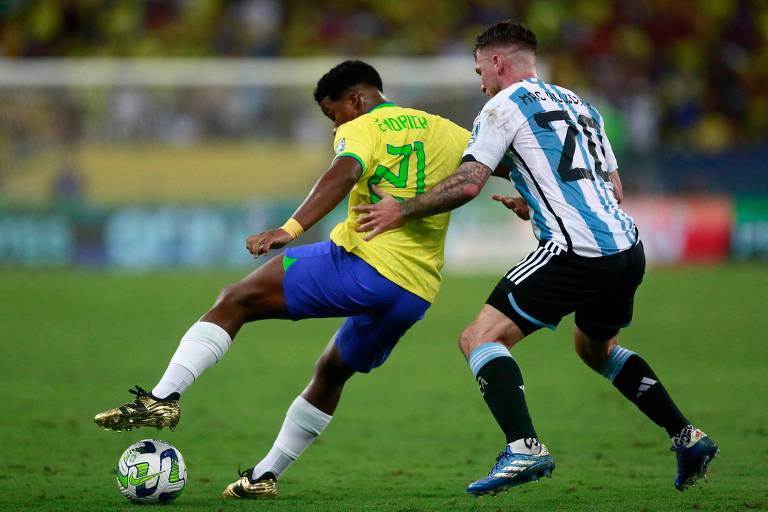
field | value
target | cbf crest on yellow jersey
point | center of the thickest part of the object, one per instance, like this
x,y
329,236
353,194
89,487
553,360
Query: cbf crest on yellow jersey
x,y
404,152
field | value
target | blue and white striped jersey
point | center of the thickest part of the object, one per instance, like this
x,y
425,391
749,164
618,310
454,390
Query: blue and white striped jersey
x,y
560,160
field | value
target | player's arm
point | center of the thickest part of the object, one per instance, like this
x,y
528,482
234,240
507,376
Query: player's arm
x,y
612,165
502,170
329,190
457,189
515,203
618,190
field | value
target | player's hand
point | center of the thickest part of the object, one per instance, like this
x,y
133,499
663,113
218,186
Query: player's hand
x,y
377,218
260,244
516,204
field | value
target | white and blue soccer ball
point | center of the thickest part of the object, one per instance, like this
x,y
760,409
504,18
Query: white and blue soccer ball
x,y
151,471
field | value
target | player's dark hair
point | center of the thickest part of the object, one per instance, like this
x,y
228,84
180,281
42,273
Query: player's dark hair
x,y
507,32
344,76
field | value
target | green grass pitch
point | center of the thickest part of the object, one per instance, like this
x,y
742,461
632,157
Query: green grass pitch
x,y
409,436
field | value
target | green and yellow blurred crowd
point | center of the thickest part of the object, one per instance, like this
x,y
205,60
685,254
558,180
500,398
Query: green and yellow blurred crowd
x,y
696,68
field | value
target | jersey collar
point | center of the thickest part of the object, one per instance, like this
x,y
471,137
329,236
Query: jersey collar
x,y
382,105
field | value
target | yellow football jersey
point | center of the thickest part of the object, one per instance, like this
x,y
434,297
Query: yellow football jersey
x,y
404,152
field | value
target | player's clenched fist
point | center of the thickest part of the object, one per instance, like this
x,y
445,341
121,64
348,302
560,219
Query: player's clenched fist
x,y
261,244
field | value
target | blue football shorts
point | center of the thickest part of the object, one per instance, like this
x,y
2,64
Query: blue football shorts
x,y
323,280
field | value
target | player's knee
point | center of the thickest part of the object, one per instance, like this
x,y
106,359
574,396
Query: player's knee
x,y
467,342
229,294
239,295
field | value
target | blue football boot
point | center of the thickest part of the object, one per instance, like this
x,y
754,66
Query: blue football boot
x,y
513,469
694,450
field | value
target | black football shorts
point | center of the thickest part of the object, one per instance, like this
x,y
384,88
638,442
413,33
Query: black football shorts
x,y
551,283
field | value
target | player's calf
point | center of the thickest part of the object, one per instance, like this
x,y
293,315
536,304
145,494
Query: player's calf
x,y
593,353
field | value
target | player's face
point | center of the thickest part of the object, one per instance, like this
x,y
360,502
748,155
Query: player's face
x,y
486,68
340,111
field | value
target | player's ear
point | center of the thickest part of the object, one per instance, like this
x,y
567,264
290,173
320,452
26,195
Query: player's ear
x,y
355,99
498,63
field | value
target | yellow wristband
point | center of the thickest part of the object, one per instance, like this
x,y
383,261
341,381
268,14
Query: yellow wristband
x,y
293,228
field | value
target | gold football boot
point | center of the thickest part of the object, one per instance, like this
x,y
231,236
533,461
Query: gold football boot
x,y
144,411
264,487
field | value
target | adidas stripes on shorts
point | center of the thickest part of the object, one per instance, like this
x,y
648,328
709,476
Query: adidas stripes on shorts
x,y
551,283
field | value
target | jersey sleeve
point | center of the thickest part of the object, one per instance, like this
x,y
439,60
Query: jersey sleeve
x,y
492,134
354,140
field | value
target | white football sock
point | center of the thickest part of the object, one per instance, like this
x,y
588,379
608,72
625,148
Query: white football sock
x,y
303,423
203,345
175,380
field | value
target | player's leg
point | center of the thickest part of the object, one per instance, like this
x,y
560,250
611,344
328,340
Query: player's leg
x,y
331,373
485,344
309,414
635,379
362,343
596,342
257,296
306,418
521,303
381,313
632,376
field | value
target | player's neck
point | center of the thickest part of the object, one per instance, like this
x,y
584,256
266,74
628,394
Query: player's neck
x,y
374,101
517,75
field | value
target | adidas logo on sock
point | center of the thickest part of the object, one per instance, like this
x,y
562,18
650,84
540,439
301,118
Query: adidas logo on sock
x,y
645,384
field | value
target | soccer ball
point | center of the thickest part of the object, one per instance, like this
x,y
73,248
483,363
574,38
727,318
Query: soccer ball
x,y
151,471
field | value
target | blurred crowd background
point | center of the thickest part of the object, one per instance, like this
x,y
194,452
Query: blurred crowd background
x,y
682,86
697,69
